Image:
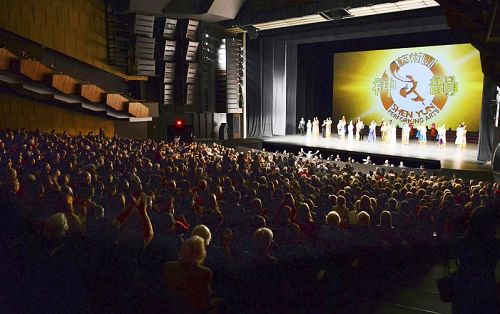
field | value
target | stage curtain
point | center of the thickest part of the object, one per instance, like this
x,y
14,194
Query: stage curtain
x,y
266,87
254,99
487,123
291,88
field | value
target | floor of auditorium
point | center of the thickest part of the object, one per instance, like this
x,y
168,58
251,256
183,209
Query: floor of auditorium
x,y
417,297
450,156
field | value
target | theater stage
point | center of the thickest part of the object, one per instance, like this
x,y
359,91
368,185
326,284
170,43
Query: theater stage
x,y
413,155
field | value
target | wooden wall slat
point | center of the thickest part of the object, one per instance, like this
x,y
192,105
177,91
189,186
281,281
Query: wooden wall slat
x,y
18,112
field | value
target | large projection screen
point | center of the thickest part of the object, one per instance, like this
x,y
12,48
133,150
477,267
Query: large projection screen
x,y
435,84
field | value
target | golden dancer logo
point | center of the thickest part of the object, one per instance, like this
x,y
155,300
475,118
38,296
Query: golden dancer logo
x,y
414,88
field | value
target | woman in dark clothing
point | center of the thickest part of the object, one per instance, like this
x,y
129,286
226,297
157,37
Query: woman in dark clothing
x,y
477,254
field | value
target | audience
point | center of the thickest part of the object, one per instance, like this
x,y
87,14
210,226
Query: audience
x,y
114,202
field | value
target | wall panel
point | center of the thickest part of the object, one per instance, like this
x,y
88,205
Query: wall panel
x,y
74,27
18,112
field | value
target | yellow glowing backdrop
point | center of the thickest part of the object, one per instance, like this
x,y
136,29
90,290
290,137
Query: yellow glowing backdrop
x,y
441,84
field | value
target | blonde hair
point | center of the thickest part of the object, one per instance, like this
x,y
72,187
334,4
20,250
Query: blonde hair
x,y
203,232
262,238
193,250
333,219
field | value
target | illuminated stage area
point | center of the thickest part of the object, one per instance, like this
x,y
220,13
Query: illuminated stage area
x,y
413,155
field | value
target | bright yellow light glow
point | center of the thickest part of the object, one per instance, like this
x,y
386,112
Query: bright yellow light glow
x,y
441,84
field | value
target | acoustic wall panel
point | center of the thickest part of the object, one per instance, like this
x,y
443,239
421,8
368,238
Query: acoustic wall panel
x,y
191,73
169,53
192,29
191,51
169,30
146,67
145,48
169,73
144,25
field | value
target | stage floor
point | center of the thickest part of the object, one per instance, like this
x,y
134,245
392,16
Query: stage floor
x,y
450,156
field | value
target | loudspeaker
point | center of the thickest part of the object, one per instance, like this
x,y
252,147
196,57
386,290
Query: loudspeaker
x,y
495,163
234,121
223,131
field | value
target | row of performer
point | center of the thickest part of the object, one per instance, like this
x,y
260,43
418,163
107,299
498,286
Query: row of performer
x,y
356,131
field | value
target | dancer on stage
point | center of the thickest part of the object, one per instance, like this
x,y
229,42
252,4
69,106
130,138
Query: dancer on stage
x,y
441,135
350,132
309,128
344,128
433,131
383,130
405,134
392,132
359,129
316,126
464,133
328,127
458,140
323,129
302,126
422,134
372,133
339,128
412,131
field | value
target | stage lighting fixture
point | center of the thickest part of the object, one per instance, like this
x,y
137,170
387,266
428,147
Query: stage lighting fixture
x,y
335,15
252,31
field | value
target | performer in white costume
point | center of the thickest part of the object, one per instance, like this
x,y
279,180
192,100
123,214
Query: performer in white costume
x,y
464,137
328,127
359,129
316,127
309,128
339,128
384,131
460,131
372,134
394,134
441,131
391,133
405,134
350,131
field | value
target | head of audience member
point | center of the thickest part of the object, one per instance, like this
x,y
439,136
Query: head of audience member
x,y
363,219
262,239
332,220
304,214
386,220
193,251
482,224
203,232
55,227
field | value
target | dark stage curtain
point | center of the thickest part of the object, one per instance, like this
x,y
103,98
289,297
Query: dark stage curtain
x,y
487,123
291,88
267,87
254,94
